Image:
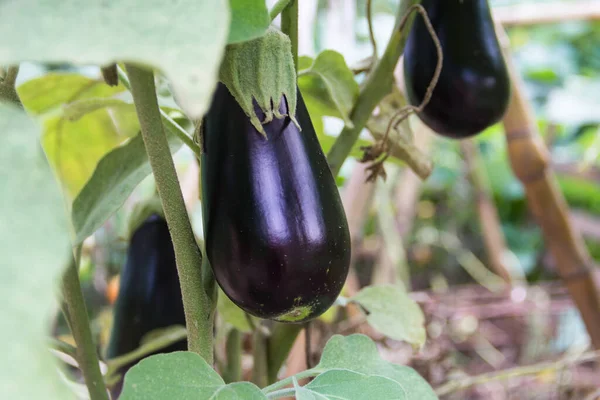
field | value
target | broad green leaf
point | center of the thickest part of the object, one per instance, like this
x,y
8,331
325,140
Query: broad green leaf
x,y
182,375
75,147
52,91
113,180
183,38
330,83
35,248
232,313
348,385
358,353
239,391
249,20
392,312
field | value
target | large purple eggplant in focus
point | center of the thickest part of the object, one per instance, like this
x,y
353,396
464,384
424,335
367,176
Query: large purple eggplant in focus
x,y
276,233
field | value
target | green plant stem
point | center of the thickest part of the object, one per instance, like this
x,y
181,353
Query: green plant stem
x,y
280,343
233,348
199,314
289,26
309,373
260,368
63,347
281,393
376,87
171,126
77,318
277,8
8,91
144,350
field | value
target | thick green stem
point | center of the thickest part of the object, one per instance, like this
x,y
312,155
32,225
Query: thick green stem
x,y
199,312
233,347
281,393
377,86
278,8
289,26
77,318
280,343
260,369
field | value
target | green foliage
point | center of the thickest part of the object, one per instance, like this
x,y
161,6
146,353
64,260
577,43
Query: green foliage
x,y
232,314
392,312
249,20
350,368
163,34
328,86
35,248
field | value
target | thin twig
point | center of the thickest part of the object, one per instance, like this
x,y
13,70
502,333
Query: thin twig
x,y
404,112
455,385
289,26
307,346
371,33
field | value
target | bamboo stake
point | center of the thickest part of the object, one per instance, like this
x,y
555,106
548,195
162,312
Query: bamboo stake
x,y
529,161
493,237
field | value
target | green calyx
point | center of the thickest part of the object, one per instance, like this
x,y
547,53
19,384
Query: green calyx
x,y
142,211
262,70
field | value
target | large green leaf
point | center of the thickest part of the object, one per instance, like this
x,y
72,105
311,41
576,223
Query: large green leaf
x,y
35,246
113,180
182,375
392,312
183,38
74,147
348,385
52,91
328,83
358,353
249,20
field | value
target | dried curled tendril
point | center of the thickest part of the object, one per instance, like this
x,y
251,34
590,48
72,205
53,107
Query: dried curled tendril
x,y
377,153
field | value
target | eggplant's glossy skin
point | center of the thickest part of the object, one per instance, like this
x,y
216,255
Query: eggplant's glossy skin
x,y
149,292
276,233
474,88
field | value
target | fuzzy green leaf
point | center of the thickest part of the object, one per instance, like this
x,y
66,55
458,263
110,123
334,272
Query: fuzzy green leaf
x,y
343,384
392,312
35,247
329,82
261,70
249,20
358,353
113,180
51,91
182,375
183,38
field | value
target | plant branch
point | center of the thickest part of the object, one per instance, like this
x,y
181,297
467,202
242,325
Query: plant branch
x,y
377,85
260,369
456,384
371,33
281,393
144,350
77,318
233,348
277,8
170,125
289,26
199,312
309,373
63,347
8,91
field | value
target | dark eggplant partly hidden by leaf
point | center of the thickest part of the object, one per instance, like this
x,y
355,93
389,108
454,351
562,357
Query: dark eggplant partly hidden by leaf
x,y
276,233
473,90
149,292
